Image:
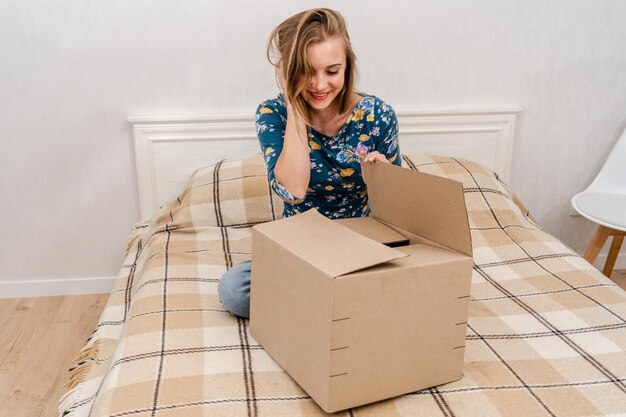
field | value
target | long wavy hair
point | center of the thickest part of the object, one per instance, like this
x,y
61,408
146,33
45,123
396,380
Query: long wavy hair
x,y
286,50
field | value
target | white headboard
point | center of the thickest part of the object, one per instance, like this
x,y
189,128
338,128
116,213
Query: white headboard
x,y
169,149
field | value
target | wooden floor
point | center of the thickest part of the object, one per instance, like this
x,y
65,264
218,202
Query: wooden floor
x,y
619,276
39,337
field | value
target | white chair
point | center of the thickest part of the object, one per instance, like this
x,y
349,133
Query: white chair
x,y
604,202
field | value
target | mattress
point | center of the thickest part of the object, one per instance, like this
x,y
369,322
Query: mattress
x,y
546,333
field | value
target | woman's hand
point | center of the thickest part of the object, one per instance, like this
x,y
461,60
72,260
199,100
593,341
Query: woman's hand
x,y
372,157
293,166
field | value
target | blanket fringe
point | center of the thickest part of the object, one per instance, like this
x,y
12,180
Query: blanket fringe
x,y
88,352
83,363
77,375
67,400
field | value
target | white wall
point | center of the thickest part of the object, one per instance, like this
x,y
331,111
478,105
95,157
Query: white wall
x,y
72,71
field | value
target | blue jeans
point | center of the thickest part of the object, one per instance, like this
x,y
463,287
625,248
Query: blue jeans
x,y
234,289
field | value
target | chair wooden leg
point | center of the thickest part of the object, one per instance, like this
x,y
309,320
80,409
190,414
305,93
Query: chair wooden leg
x,y
597,241
616,244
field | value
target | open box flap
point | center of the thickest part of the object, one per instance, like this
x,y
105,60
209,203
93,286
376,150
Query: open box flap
x,y
332,248
374,229
427,205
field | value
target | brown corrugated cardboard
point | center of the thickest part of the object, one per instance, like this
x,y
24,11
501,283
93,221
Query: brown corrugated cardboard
x,y
429,206
352,320
375,230
332,248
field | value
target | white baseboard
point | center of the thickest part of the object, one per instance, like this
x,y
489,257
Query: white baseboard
x,y
620,263
55,286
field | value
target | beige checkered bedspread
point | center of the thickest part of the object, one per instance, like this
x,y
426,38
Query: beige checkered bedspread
x,y
546,334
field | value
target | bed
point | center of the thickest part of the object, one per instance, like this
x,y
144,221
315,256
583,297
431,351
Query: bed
x,y
546,332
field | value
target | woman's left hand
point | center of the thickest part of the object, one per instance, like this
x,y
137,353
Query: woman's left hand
x,y
372,157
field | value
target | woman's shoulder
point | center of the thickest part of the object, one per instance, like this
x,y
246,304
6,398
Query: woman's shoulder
x,y
371,111
273,105
373,104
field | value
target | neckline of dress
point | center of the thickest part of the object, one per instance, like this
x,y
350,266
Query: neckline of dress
x,y
345,123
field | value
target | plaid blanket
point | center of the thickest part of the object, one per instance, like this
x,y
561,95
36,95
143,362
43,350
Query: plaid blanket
x,y
546,332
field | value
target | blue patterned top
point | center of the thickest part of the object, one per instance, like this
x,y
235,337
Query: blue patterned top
x,y
336,188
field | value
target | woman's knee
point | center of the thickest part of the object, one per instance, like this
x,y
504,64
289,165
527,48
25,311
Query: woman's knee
x,y
234,289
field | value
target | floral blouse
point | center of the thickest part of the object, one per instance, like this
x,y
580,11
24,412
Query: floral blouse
x,y
336,188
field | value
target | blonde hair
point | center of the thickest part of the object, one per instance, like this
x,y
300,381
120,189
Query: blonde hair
x,y
287,46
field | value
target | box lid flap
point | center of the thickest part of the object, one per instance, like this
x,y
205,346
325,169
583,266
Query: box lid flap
x,y
374,229
331,247
427,205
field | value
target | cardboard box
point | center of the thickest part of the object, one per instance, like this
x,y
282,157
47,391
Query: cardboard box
x,y
353,320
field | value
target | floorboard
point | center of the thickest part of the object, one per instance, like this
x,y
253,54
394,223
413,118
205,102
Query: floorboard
x,y
38,344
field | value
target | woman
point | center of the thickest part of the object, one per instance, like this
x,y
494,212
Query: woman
x,y
316,135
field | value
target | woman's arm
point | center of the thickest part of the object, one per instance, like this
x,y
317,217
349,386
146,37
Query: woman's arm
x,y
293,167
387,149
272,123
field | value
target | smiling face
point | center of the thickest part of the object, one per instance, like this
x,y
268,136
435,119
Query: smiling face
x,y
312,52
328,61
